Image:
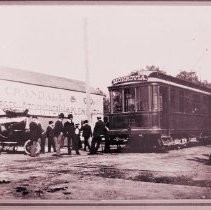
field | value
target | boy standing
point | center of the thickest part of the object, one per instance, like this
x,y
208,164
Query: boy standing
x,y
50,135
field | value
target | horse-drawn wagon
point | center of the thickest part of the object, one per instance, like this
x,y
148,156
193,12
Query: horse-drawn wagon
x,y
14,131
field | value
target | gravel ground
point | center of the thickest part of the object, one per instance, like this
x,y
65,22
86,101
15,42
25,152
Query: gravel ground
x,y
178,174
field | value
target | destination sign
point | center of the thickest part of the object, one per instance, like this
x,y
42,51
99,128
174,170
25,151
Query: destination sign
x,y
131,78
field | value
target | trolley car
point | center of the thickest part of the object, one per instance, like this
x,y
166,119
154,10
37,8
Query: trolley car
x,y
151,110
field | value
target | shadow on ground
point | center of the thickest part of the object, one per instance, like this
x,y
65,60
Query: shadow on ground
x,y
205,161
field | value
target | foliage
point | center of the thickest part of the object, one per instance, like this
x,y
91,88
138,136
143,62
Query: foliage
x,y
154,68
106,102
149,68
192,77
106,105
189,76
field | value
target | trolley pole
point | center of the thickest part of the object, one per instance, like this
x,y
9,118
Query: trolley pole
x,y
88,105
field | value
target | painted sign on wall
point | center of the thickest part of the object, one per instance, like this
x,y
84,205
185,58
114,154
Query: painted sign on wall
x,y
47,101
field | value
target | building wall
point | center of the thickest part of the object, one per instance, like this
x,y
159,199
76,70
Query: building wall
x,y
48,102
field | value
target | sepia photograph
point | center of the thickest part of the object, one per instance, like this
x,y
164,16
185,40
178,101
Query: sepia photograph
x,y
105,104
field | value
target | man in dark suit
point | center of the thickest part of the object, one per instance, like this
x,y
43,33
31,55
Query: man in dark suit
x,y
42,139
35,133
87,133
99,131
58,133
69,132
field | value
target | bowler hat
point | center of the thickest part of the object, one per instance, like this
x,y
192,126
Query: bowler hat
x,y
99,118
61,115
70,116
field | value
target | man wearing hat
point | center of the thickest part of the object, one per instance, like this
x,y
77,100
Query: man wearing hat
x,y
99,131
50,135
58,133
76,139
35,132
69,132
87,133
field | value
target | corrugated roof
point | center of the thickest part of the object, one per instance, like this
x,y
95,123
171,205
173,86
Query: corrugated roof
x,y
17,75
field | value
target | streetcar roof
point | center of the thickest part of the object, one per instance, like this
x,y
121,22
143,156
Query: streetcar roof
x,y
154,76
40,79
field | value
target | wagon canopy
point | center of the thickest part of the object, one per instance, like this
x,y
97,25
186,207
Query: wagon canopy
x,y
4,120
13,116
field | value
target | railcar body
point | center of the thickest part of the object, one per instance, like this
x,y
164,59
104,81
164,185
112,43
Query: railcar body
x,y
152,109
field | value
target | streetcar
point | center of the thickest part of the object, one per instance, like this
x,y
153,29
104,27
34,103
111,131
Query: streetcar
x,y
150,110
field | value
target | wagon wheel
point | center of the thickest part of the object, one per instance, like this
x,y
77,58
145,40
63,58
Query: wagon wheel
x,y
27,147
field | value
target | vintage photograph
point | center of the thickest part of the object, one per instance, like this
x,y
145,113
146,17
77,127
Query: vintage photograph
x,y
105,102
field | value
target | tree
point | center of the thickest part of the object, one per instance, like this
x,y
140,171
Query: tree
x,y
154,68
192,77
189,76
106,102
106,105
149,68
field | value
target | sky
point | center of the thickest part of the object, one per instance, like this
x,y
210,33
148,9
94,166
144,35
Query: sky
x,y
120,38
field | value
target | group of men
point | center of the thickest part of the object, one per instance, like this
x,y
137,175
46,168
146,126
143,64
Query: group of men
x,y
56,133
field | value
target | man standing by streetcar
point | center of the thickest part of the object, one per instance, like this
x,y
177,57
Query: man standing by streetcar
x,y
99,131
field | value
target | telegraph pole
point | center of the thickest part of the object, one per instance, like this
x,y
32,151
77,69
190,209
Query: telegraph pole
x,y
86,53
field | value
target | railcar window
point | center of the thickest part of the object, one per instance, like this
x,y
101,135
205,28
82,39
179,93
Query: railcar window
x,y
129,96
117,100
173,99
142,98
154,97
196,103
181,101
188,101
205,105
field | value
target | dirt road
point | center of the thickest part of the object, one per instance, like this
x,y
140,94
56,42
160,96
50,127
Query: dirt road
x,y
178,174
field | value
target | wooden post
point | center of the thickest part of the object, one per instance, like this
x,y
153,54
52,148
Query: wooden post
x,y
88,105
